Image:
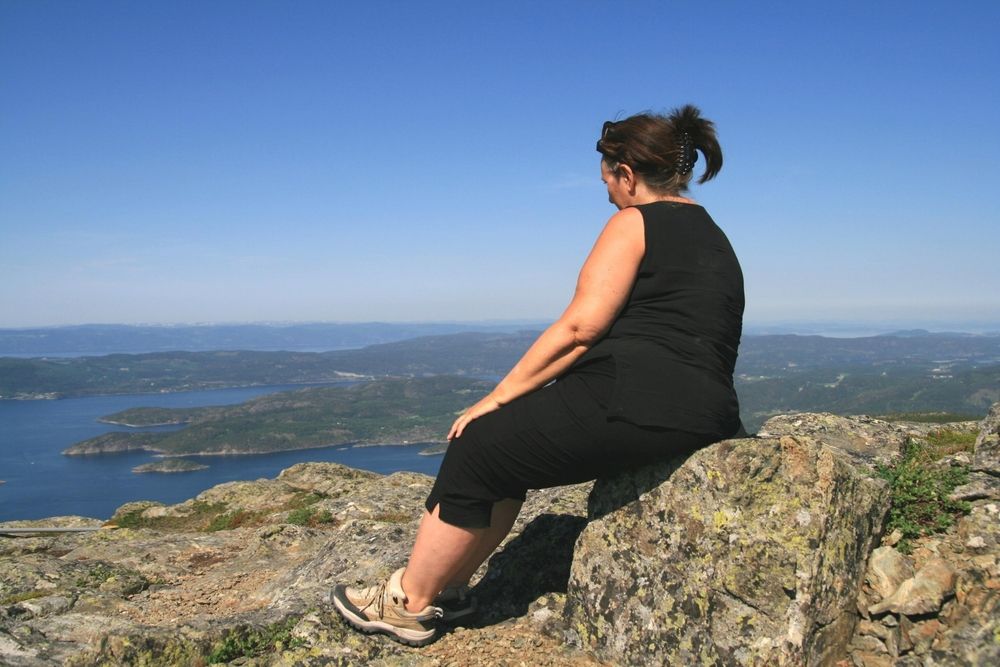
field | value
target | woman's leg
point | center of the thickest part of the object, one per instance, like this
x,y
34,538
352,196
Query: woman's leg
x,y
439,552
501,521
444,554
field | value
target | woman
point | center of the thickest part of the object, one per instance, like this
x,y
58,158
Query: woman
x,y
643,358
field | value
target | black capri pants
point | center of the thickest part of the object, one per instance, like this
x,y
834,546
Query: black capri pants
x,y
559,434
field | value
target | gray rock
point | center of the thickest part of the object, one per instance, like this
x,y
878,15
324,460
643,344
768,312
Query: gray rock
x,y
924,593
15,654
981,486
981,527
45,606
870,440
887,569
987,451
749,552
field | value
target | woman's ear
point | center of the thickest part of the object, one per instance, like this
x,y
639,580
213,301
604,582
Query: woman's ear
x,y
627,176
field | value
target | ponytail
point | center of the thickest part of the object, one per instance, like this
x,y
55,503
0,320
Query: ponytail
x,y
687,120
662,149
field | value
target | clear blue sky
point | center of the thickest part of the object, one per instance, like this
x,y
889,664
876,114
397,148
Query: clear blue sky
x,y
329,161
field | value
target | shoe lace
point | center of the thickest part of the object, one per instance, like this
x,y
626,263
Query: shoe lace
x,y
376,598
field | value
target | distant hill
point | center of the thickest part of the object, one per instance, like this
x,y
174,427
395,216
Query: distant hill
x,y
774,374
474,354
97,339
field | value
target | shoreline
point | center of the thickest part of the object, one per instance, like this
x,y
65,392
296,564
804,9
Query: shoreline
x,y
127,425
58,396
159,453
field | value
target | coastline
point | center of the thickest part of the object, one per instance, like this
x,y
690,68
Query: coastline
x,y
127,425
253,452
56,396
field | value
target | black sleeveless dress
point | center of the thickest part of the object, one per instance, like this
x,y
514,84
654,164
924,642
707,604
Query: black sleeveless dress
x,y
675,341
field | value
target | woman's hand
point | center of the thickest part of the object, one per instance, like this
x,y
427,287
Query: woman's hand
x,y
486,405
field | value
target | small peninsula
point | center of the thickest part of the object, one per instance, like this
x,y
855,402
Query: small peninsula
x,y
170,465
116,442
382,412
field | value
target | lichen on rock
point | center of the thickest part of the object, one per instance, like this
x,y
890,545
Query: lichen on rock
x,y
748,552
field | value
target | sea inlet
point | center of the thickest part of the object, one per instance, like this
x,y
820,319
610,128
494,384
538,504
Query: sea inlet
x,y
41,482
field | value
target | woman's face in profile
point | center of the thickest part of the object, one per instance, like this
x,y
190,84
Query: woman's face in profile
x,y
615,186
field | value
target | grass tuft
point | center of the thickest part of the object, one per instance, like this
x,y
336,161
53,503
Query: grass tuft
x,y
22,597
930,417
253,642
310,516
920,486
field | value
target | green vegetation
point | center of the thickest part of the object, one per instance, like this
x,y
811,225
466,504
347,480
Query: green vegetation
x,y
202,515
920,485
903,388
238,518
141,417
931,417
305,499
95,576
252,642
116,442
379,412
211,517
22,597
945,442
169,465
305,514
310,516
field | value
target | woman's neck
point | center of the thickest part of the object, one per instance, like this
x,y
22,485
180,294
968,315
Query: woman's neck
x,y
646,196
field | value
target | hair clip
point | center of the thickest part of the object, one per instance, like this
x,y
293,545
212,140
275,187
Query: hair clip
x,y
688,155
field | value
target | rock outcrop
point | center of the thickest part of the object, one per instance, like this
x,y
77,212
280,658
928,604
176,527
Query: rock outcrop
x,y
749,553
940,604
756,551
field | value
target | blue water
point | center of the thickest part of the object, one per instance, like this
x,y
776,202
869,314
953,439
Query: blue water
x,y
41,482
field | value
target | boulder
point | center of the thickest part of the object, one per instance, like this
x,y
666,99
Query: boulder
x,y
749,552
887,569
870,440
923,593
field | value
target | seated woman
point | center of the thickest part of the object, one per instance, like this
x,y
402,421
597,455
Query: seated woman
x,y
642,360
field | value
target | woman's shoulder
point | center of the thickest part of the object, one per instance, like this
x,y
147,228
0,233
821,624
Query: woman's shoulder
x,y
628,226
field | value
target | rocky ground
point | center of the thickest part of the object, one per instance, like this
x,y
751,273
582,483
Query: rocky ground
x,y
939,603
240,574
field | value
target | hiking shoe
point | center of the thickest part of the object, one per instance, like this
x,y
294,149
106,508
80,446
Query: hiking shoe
x,y
455,602
380,608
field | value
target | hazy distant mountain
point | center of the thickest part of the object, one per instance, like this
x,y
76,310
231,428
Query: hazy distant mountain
x,y
94,339
774,374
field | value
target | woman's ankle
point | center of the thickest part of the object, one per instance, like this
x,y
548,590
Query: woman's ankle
x,y
412,595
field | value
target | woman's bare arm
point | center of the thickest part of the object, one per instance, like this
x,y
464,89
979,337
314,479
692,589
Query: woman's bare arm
x,y
601,291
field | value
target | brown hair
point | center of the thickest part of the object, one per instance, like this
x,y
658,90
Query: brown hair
x,y
662,149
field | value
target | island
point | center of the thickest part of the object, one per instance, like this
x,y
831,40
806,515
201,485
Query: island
x,y
393,411
170,465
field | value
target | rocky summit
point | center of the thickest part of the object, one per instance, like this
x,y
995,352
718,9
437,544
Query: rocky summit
x,y
772,550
